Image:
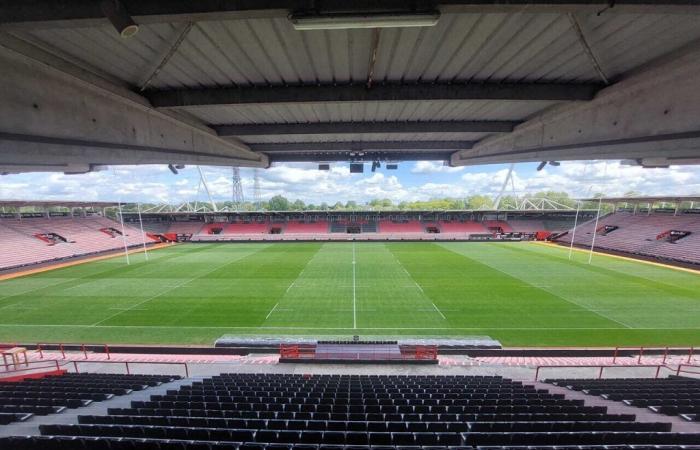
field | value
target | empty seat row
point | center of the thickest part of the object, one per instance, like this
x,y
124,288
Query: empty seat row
x,y
286,415
184,420
262,435
54,393
671,396
109,443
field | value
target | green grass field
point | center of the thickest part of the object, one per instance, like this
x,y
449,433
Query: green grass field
x,y
522,294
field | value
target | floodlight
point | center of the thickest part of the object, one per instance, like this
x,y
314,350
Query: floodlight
x,y
324,167
368,20
391,166
541,165
115,11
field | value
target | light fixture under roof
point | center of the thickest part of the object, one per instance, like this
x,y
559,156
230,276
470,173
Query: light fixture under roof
x,y
115,11
369,20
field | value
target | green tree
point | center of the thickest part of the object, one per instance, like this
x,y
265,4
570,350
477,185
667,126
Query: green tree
x,y
479,202
298,205
278,203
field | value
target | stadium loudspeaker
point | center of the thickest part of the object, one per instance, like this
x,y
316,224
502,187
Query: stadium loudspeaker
x,y
324,167
392,166
357,168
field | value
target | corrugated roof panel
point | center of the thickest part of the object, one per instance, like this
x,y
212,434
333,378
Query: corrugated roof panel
x,y
102,48
603,29
553,41
509,47
522,45
347,137
644,40
368,111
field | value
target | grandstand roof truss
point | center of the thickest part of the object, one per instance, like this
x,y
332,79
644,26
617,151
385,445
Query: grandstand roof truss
x,y
233,83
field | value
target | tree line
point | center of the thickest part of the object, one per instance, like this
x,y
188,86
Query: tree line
x,y
473,202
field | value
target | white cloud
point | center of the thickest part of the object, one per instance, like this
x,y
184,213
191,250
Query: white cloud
x,y
306,182
430,167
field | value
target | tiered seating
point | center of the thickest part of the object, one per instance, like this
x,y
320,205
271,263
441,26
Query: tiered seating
x,y
53,394
247,228
467,226
495,224
319,412
211,228
83,235
185,227
294,227
670,396
409,226
637,234
526,226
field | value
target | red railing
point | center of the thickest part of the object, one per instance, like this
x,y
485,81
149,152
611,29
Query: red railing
x,y
62,348
48,364
128,368
58,364
690,351
602,367
680,369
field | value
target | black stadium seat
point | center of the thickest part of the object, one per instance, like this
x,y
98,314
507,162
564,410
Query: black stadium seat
x,y
670,396
54,394
326,412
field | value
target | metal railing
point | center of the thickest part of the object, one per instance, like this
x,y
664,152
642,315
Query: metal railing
x,y
666,349
59,364
127,366
602,367
62,348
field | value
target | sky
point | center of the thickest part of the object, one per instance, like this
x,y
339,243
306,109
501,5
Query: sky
x,y
422,180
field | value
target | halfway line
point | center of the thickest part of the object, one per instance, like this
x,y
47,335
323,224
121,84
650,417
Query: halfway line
x,y
354,290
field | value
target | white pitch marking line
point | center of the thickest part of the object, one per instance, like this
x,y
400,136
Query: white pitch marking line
x,y
354,290
173,287
439,312
22,325
290,286
128,309
272,310
418,286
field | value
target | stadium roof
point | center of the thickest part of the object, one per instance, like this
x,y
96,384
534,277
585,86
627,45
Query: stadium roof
x,y
55,203
646,199
235,83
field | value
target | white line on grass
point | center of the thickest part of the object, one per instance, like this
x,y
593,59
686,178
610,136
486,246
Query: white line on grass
x,y
290,286
439,312
272,310
354,290
419,288
175,286
16,325
604,316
